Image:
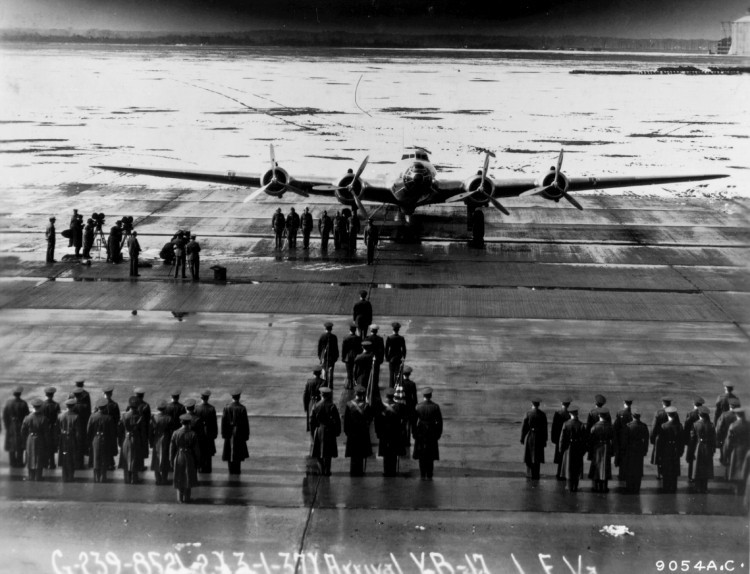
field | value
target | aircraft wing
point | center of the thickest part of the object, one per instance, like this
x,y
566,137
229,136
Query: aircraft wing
x,y
371,193
231,177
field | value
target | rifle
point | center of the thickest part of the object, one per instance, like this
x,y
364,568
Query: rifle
x,y
325,365
370,389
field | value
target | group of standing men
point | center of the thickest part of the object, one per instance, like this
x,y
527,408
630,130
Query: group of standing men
x,y
627,439
181,436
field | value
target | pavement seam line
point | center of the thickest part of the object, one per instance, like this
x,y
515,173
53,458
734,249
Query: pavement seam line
x,y
307,526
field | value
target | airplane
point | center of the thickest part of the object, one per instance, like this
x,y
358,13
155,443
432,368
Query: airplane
x,y
416,184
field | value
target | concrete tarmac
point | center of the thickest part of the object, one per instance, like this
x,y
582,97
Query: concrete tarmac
x,y
633,297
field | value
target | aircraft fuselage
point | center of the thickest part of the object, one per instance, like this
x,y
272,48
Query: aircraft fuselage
x,y
413,181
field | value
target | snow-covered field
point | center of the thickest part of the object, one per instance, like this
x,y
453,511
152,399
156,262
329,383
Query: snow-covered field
x,y
66,107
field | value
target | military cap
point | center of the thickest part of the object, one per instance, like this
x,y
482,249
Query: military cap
x,y
189,403
396,325
139,391
602,411
635,411
325,391
670,410
566,401
78,391
175,393
698,401
108,389
367,343
600,399
206,393
407,370
36,403
704,410
186,418
317,369
573,408
363,293
728,384
734,402
17,390
374,328
352,326
80,383
427,391
390,392
50,391
536,401
161,405
70,402
100,404
628,401
133,402
135,233
667,400
53,218
360,390
328,325
236,392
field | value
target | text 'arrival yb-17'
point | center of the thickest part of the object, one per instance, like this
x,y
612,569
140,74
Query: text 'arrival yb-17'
x,y
416,184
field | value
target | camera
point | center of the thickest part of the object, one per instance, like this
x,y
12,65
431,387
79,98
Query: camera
x,y
98,220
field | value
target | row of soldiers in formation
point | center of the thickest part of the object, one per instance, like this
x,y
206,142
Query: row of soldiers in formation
x,y
345,227
627,439
181,436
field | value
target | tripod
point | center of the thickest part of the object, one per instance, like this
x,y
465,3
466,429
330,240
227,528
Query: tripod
x,y
99,241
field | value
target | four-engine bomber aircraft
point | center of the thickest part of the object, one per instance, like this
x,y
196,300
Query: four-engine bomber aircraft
x,y
416,184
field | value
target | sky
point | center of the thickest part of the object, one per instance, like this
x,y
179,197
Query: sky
x,y
615,18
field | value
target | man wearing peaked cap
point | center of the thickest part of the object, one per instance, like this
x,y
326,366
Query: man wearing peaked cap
x,y
669,448
175,409
559,418
159,439
133,447
378,349
736,448
690,419
235,430
726,419
328,352
311,395
573,444
207,445
722,401
357,418
362,314
660,417
601,438
636,449
406,394
427,430
350,348
101,440
388,428
395,353
325,426
51,410
534,437
619,427
184,453
14,412
70,438
37,436
593,418
363,364
701,447
83,410
50,236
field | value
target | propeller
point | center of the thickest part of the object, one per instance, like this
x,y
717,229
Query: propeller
x,y
480,190
350,187
274,181
563,191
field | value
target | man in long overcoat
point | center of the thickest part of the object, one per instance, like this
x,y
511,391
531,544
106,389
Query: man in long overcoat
x,y
130,440
207,413
735,448
427,430
235,430
601,438
70,439
101,433
328,352
325,425
389,429
325,226
690,419
362,314
395,353
660,417
351,346
701,448
378,349
184,454
723,401
670,444
311,396
36,433
14,413
534,436
357,419
726,419
559,418
619,427
406,394
278,224
159,439
83,409
363,364
573,446
634,447
51,410
134,251
307,226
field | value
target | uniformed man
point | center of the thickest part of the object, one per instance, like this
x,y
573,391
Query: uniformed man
x,y
101,436
722,428
427,430
113,410
690,419
307,227
144,411
70,439
372,237
634,450
354,228
340,228
534,436
659,419
325,226
362,314
159,439
235,430
325,426
36,434
292,227
351,346
311,396
669,448
71,226
130,440
134,250
175,409
76,234
619,427
477,228
14,412
701,448
363,364
395,353
389,428
179,245
328,352
193,250
50,235
735,448
593,417
207,413
278,224
573,447
83,410
560,417
357,419
114,242
184,453
51,410
406,394
196,424
88,238
378,349
601,438
722,401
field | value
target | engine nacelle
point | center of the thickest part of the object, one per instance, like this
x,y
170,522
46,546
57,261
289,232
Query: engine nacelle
x,y
554,193
473,184
344,196
277,188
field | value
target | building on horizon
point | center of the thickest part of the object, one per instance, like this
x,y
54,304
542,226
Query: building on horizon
x,y
736,41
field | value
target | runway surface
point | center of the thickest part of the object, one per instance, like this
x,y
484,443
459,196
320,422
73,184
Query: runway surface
x,y
633,297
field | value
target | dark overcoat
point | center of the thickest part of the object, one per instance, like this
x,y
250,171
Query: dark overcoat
x,y
634,448
325,425
389,429
701,448
362,314
669,448
601,438
357,419
534,435
573,446
132,448
70,440
735,448
207,413
16,409
427,430
184,453
328,349
619,427
159,439
362,367
560,417
235,430
102,440
36,434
